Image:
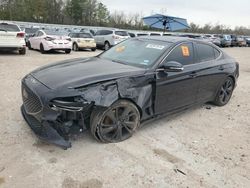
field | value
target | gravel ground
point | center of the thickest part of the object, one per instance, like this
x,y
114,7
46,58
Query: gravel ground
x,y
201,147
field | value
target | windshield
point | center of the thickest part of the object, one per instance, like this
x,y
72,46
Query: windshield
x,y
8,27
137,52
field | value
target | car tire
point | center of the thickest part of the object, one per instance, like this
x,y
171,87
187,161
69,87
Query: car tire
x,y
29,46
42,49
116,123
225,92
106,46
93,49
67,51
75,47
22,51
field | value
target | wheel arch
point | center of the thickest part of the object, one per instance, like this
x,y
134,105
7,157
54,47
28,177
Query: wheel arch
x,y
133,102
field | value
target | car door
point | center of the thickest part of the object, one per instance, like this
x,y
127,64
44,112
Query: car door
x,y
97,37
176,90
211,71
36,40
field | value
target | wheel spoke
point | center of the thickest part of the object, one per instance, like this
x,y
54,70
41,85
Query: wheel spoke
x,y
117,113
127,128
129,124
119,133
107,130
111,115
125,112
224,97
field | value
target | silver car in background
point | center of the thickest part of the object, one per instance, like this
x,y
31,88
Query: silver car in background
x,y
110,37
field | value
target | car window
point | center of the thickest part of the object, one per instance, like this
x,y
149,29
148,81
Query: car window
x,y
121,33
141,34
205,52
137,52
216,53
9,27
131,34
155,34
107,32
97,33
183,53
40,33
85,35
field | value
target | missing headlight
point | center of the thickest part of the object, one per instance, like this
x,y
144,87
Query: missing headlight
x,y
74,104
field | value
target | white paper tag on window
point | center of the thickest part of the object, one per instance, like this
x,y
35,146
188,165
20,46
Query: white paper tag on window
x,y
155,46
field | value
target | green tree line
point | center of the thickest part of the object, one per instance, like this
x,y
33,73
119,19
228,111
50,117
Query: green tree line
x,y
89,13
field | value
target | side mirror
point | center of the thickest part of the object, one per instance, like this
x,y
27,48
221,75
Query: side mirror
x,y
172,66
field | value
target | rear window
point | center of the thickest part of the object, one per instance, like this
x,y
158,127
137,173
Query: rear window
x,y
85,35
121,33
9,27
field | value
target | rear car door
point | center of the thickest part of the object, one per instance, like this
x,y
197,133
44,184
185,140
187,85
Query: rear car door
x,y
176,90
211,70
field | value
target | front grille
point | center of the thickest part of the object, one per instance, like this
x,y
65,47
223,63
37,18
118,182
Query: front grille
x,y
31,101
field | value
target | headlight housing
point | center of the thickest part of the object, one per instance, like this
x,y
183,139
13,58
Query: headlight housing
x,y
73,104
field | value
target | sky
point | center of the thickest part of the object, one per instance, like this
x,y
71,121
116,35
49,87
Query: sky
x,y
229,12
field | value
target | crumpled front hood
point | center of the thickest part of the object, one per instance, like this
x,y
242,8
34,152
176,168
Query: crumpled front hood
x,y
82,71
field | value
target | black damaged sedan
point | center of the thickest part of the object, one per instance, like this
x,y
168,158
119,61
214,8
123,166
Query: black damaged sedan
x,y
113,93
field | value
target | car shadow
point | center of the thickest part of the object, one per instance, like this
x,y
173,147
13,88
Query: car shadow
x,y
171,116
87,139
51,52
8,52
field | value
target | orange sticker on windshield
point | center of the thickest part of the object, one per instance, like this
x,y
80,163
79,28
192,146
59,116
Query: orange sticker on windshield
x,y
185,51
120,49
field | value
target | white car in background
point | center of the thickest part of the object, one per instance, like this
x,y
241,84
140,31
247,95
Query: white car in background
x,y
82,41
110,37
12,38
46,40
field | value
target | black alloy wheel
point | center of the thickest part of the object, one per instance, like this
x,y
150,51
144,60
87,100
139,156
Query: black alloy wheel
x,y
117,123
225,92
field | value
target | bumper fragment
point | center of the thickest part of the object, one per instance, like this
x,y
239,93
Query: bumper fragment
x,y
45,131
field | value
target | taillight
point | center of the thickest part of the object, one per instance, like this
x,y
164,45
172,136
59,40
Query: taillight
x,y
49,38
20,35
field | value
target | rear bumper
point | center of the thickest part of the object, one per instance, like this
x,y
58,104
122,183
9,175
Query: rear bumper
x,y
51,46
45,131
86,46
11,48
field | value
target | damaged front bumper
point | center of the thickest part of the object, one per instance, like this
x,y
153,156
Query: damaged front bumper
x,y
45,131
53,118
